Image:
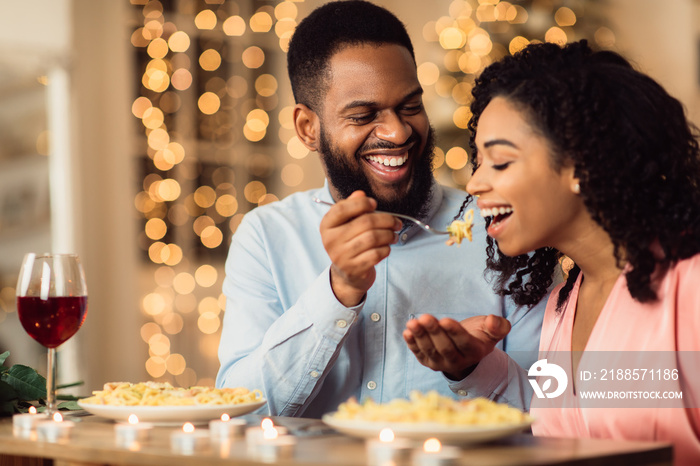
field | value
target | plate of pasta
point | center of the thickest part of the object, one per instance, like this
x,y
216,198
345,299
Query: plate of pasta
x,y
430,415
163,404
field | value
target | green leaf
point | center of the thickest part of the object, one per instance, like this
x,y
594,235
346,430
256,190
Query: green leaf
x,y
27,382
7,393
69,405
3,357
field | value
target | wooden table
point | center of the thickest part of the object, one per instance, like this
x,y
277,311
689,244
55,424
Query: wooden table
x,y
92,443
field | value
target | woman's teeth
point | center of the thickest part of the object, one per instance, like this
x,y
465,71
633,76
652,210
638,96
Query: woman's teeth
x,y
496,211
388,161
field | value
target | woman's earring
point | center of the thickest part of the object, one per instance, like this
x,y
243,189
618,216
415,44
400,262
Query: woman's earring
x,y
577,188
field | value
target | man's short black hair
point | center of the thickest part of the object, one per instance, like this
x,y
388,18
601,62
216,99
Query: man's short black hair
x,y
329,29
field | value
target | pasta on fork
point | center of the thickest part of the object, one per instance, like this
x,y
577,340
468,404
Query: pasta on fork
x,y
460,229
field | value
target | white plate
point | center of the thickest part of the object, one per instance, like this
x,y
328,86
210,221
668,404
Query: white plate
x,y
448,434
171,415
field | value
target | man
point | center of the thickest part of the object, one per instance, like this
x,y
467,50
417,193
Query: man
x,y
318,296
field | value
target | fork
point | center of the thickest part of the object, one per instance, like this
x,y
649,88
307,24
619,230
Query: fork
x,y
424,226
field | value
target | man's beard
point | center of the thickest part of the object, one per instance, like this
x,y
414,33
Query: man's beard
x,y
346,178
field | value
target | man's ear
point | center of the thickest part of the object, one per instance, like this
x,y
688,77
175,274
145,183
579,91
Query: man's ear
x,y
307,125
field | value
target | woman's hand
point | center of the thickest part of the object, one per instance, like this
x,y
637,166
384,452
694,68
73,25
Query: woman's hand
x,y
452,347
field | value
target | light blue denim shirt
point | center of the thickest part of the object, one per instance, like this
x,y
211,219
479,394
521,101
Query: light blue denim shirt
x,y
285,333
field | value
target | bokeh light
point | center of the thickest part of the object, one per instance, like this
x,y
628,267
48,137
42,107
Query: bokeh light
x,y
253,57
205,19
261,22
428,73
234,26
179,41
210,60
209,103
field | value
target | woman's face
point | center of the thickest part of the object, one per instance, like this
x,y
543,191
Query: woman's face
x,y
531,204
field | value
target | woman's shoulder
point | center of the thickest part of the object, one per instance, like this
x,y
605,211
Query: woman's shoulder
x,y
689,265
685,274
680,275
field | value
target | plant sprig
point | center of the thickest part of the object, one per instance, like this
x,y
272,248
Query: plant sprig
x,y
22,387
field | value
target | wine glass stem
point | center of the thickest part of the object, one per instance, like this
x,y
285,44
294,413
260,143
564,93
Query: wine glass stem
x,y
51,383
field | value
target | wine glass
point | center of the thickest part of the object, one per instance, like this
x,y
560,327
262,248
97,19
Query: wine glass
x,y
51,304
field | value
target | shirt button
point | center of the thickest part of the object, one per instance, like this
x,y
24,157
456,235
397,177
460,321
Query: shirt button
x,y
314,374
371,384
375,317
462,392
342,323
404,237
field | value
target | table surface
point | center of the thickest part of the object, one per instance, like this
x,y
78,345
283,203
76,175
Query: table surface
x,y
92,442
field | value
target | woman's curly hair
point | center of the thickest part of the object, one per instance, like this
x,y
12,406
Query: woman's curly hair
x,y
633,151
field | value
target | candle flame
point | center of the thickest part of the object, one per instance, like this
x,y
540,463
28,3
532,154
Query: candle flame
x,y
188,427
133,419
432,445
270,434
225,417
57,417
267,423
32,410
386,435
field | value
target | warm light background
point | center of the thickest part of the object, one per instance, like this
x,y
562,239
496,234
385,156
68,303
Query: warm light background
x,y
161,124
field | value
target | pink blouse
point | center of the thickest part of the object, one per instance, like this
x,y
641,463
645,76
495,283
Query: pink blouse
x,y
669,324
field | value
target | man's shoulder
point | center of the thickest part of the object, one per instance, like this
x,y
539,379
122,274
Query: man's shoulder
x,y
294,204
295,215
290,220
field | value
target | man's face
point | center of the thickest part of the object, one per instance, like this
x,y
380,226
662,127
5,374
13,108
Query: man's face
x,y
374,132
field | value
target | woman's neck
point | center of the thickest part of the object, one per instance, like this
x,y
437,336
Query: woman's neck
x,y
594,253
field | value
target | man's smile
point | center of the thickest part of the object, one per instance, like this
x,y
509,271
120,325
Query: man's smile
x,y
387,161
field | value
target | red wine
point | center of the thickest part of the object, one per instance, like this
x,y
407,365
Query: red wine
x,y
54,320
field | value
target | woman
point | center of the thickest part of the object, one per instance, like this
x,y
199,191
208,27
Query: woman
x,y
579,155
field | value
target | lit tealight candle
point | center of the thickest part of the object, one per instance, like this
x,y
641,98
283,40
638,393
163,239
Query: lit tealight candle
x,y
254,435
188,440
55,429
130,434
267,424
388,449
273,445
23,425
226,427
434,454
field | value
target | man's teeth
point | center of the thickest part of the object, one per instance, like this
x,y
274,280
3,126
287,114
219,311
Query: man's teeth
x,y
496,211
388,161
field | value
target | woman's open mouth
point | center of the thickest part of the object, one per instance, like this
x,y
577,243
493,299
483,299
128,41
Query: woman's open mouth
x,y
498,215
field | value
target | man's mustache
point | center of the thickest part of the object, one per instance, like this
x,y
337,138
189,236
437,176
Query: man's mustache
x,y
412,140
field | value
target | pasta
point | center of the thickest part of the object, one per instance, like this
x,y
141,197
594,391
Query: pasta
x,y
432,407
164,394
460,229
